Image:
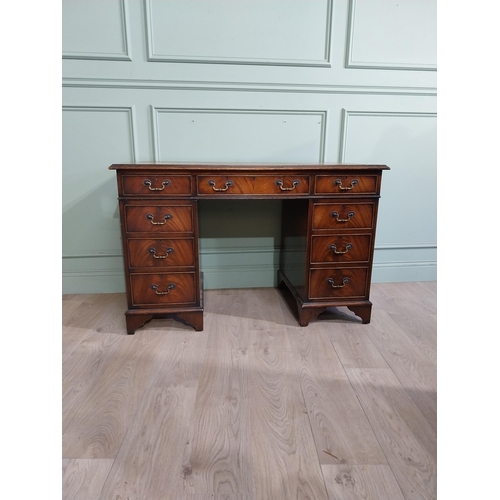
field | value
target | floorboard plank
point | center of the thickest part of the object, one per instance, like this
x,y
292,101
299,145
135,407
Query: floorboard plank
x,y
260,307
71,338
216,457
354,347
184,352
415,371
84,361
209,496
408,441
420,328
421,297
84,369
83,479
96,421
70,304
86,313
361,482
341,430
285,462
149,461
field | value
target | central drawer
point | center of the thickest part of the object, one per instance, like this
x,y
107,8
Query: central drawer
x,y
162,289
158,218
161,252
253,184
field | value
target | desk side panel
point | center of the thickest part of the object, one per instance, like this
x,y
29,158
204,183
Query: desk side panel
x,y
293,257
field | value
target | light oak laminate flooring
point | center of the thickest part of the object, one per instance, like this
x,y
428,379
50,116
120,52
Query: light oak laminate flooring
x,y
254,407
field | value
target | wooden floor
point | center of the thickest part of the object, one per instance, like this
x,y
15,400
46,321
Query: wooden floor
x,y
253,407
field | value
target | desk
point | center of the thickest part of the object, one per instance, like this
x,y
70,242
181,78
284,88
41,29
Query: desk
x,y
328,233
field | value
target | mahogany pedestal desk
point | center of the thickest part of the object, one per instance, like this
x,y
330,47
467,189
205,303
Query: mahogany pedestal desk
x,y
328,232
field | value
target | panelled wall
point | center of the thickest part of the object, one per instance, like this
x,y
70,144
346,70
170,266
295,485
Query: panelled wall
x,y
250,80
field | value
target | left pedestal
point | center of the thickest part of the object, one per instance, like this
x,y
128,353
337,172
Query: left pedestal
x,y
159,228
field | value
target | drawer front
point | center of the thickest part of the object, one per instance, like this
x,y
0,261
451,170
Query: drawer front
x,y
338,283
163,218
343,215
250,184
341,248
346,184
161,252
161,289
155,185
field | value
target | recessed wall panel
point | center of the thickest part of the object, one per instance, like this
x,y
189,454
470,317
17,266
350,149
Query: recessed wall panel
x,y
392,34
276,32
239,135
93,139
95,29
406,142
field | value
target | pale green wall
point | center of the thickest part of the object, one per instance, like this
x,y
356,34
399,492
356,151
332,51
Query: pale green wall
x,y
254,80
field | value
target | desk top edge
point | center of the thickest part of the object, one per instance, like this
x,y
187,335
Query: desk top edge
x,y
244,166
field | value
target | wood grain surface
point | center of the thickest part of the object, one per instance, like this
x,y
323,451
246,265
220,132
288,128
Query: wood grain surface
x,y
416,372
216,457
284,456
254,407
420,328
408,441
341,430
361,482
96,422
82,479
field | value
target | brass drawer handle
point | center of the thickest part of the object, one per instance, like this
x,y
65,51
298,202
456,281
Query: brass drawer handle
x,y
279,183
227,184
333,247
168,251
148,183
336,216
333,285
338,183
166,292
166,218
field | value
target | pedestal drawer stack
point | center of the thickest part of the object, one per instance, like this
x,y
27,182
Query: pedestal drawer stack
x,y
341,239
327,245
160,244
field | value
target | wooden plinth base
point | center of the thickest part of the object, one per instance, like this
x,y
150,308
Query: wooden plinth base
x,y
137,318
308,311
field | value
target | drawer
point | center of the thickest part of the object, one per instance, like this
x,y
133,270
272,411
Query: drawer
x,y
338,283
162,218
346,184
154,185
343,215
161,289
161,252
253,184
341,248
